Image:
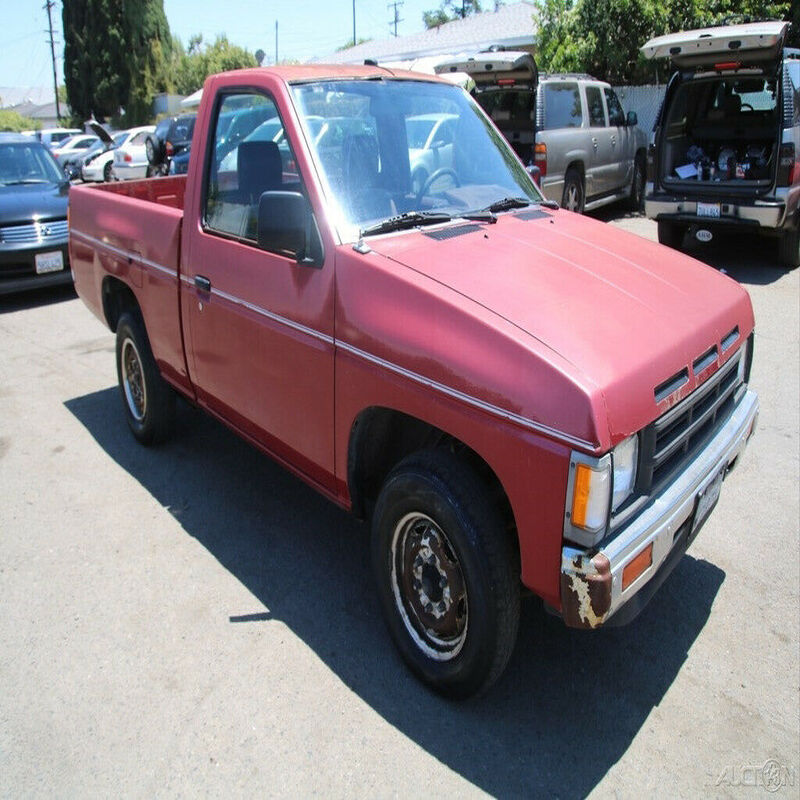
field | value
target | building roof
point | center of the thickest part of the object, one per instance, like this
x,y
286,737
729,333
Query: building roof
x,y
511,26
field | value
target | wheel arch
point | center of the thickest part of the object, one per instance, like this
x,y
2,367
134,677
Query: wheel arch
x,y
381,437
118,298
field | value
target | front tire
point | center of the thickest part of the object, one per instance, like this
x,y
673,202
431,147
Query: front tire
x,y
574,197
447,574
636,199
148,400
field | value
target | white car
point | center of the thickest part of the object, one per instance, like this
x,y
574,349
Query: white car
x,y
430,145
99,166
74,146
53,137
130,159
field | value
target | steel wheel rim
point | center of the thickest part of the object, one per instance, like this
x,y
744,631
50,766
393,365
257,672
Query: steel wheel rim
x,y
572,197
428,586
133,380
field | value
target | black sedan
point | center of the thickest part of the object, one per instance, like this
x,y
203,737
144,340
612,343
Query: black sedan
x,y
33,216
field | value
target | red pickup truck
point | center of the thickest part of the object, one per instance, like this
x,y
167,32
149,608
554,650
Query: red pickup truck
x,y
514,395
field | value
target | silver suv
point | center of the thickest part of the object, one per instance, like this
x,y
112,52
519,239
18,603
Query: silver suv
x,y
572,127
725,151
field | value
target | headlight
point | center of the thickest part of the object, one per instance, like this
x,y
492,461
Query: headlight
x,y
625,457
596,487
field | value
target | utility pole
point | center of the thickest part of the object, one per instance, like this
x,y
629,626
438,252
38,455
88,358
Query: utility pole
x,y
354,23
395,5
276,41
48,6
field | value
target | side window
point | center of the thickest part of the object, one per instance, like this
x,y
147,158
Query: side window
x,y
257,159
594,103
139,138
616,116
562,106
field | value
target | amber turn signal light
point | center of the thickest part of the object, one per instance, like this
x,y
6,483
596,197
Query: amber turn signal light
x,y
636,566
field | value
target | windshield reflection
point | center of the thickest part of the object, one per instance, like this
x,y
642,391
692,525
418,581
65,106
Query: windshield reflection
x,y
416,149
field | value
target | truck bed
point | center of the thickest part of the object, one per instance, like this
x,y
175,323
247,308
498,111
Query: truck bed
x,y
130,233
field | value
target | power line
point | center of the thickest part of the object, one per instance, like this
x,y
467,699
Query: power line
x,y
393,22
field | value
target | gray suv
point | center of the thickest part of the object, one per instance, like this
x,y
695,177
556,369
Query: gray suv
x,y
725,152
572,127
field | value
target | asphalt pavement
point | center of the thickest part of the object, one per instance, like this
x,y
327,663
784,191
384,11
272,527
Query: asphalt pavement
x,y
191,620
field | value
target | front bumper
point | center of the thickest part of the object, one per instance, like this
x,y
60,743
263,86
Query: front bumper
x,y
18,267
592,579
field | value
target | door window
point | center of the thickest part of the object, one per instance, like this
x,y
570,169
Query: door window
x,y
562,106
594,103
616,116
251,156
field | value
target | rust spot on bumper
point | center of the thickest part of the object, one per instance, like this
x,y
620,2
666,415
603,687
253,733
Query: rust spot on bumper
x,y
586,591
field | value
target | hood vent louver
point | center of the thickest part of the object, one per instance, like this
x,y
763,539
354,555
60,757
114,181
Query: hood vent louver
x,y
451,233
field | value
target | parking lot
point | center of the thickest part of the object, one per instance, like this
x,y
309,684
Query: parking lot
x,y
190,619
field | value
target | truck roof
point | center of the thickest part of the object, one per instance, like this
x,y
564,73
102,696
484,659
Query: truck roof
x,y
294,73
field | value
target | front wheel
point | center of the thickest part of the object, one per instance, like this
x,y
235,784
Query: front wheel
x,y
148,400
636,198
447,574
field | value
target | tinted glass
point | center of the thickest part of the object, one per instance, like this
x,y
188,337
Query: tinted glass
x,y
594,104
616,116
562,106
22,163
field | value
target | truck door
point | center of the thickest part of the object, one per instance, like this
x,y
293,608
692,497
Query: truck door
x,y
260,323
599,178
623,141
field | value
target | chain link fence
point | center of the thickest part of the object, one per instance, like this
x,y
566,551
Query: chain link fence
x,y
644,100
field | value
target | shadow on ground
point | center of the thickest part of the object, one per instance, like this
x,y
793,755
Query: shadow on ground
x,y
566,709
36,298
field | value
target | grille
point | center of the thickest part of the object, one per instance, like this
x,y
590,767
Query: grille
x,y
682,430
451,233
35,233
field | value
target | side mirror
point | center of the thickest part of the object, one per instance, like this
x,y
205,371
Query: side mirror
x,y
286,226
631,119
535,173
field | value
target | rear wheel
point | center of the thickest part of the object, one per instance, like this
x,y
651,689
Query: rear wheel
x,y
148,400
447,574
671,234
789,248
108,172
573,197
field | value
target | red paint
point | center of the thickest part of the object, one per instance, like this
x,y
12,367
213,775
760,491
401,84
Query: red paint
x,y
523,339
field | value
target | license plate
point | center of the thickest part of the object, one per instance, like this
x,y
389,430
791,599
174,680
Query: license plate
x,y
706,500
49,262
708,210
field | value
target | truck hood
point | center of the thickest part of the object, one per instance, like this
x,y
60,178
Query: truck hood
x,y
619,315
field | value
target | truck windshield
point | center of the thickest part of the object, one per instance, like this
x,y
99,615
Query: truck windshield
x,y
389,147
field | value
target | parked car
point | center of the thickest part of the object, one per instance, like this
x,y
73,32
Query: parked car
x,y
99,166
33,216
53,137
515,395
171,136
430,145
725,150
130,159
74,146
573,127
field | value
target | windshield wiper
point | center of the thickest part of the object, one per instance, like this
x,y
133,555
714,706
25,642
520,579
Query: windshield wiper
x,y
408,220
507,203
25,180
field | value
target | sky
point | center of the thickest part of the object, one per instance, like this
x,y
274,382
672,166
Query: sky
x,y
306,28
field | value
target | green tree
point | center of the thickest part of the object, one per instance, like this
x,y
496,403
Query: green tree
x,y
192,66
115,56
451,10
603,37
12,121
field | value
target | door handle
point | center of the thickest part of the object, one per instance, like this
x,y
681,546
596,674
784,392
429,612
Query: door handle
x,y
203,284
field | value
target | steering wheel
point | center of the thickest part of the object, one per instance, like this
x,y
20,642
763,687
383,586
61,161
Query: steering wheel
x,y
745,106
433,177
